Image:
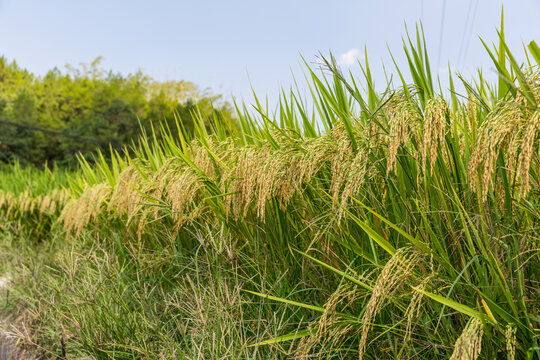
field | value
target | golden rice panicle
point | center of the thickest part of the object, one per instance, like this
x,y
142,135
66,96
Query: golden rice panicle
x,y
404,119
266,173
202,159
472,111
51,201
459,128
494,133
159,181
46,204
347,168
24,201
3,198
469,344
513,130
413,310
303,162
270,174
328,333
393,276
181,192
241,181
316,153
527,153
7,201
62,197
288,181
163,175
340,159
512,151
357,174
300,161
20,202
258,174
510,335
434,130
227,181
77,214
125,198
66,215
157,186
282,173
462,121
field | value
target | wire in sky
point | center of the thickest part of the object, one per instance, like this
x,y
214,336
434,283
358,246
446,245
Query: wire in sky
x,y
470,33
465,28
56,133
441,33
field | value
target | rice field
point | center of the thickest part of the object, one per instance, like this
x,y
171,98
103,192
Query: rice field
x,y
401,223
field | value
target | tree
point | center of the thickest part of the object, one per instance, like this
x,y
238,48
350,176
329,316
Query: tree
x,y
91,108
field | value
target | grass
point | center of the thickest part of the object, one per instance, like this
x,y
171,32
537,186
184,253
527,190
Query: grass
x,y
401,224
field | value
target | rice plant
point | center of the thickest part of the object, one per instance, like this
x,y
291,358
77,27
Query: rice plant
x,y
394,224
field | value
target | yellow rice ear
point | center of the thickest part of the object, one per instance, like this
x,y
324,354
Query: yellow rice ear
x,y
326,333
527,153
77,214
508,128
510,335
434,123
125,197
181,192
403,119
469,344
394,274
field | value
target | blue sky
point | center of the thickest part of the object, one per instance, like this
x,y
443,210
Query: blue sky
x,y
217,44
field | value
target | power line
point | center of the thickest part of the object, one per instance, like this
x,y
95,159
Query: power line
x,y
470,32
441,33
465,28
55,133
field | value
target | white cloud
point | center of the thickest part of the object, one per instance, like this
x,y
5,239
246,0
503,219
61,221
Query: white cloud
x,y
348,58
443,70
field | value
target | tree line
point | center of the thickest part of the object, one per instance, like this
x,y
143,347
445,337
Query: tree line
x,y
49,119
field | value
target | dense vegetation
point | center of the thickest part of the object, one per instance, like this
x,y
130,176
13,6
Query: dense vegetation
x,y
394,225
52,118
